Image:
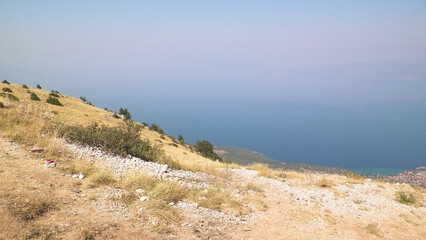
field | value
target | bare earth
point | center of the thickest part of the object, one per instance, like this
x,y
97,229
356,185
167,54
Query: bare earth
x,y
297,207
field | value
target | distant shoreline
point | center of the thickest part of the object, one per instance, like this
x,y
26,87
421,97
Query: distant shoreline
x,y
379,171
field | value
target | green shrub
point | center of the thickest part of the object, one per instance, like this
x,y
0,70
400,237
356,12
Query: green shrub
x,y
5,81
1,105
115,115
205,148
125,113
25,86
406,198
155,127
13,97
123,140
34,97
7,89
53,94
38,86
145,124
54,101
181,139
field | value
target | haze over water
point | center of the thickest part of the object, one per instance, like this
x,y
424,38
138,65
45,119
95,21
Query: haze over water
x,y
320,82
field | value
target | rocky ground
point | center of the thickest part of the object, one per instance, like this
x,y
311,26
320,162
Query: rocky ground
x,y
295,206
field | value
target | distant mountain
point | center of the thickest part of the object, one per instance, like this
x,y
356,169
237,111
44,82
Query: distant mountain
x,y
246,157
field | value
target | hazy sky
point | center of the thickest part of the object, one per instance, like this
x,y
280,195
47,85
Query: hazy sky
x,y
328,52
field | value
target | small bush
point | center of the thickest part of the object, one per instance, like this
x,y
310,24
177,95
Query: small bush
x,y
174,145
34,97
102,178
38,86
373,229
53,94
7,90
325,183
406,198
13,97
115,115
181,139
168,191
54,101
155,127
25,86
1,105
5,81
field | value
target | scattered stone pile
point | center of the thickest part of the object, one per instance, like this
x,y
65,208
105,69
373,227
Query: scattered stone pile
x,y
123,165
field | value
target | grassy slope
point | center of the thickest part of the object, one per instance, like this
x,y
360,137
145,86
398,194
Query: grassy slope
x,y
246,157
75,111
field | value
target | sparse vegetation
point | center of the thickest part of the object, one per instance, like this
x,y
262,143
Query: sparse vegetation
x,y
407,198
38,86
263,169
7,90
218,199
34,97
101,178
123,140
54,101
155,127
54,94
29,208
1,105
181,139
5,81
13,98
87,102
205,148
25,86
125,113
373,229
325,183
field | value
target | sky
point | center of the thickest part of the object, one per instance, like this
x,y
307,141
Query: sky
x,y
150,55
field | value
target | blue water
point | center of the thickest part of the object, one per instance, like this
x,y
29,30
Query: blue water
x,y
379,137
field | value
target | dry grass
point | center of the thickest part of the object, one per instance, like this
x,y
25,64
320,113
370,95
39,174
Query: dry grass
x,y
290,175
409,198
29,208
325,183
253,187
373,229
257,201
168,191
102,178
163,217
262,169
137,180
218,199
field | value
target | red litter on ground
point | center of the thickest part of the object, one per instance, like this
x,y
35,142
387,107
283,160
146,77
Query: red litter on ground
x,y
37,150
49,161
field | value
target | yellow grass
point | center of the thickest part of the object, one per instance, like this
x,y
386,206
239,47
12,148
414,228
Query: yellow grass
x,y
262,169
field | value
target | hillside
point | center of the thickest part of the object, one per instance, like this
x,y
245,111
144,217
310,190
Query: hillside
x,y
56,186
246,157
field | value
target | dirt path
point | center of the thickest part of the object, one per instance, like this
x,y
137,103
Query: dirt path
x,y
297,212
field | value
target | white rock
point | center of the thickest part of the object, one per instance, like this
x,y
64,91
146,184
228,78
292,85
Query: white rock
x,y
75,176
81,176
143,199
